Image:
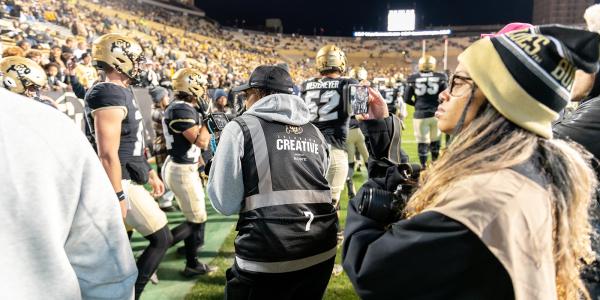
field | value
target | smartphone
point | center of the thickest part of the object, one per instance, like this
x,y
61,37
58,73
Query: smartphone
x,y
217,121
359,99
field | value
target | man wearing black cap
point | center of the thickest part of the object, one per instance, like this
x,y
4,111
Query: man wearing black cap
x,y
270,168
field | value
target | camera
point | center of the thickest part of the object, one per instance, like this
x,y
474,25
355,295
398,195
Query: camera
x,y
385,206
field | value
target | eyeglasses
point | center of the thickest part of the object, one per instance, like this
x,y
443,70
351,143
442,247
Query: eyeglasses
x,y
459,84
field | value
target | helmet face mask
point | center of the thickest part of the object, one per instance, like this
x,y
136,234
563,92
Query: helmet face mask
x,y
22,76
330,59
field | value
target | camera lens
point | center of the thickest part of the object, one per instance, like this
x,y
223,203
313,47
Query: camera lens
x,y
377,204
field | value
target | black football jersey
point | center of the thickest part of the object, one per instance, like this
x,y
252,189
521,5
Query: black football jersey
x,y
131,145
329,105
390,96
422,91
179,117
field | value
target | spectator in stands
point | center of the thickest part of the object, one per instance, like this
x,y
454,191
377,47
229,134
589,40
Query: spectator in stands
x,y
160,99
13,51
85,72
35,56
24,44
220,102
56,56
69,45
82,48
54,82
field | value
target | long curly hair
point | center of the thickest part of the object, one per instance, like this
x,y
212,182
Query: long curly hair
x,y
491,143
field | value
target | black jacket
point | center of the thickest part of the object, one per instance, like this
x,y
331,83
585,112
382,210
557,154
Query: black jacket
x,y
429,256
583,127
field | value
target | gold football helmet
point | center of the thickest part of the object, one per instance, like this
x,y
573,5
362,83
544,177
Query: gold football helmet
x,y
399,77
427,63
119,52
331,58
359,73
390,82
19,74
191,82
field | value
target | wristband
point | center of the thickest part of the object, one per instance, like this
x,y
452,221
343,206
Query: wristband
x,y
121,196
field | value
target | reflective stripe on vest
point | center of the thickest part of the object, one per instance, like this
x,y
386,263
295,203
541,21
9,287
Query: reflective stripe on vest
x,y
284,266
265,196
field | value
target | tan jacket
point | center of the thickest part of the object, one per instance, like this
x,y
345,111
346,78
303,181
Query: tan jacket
x,y
511,214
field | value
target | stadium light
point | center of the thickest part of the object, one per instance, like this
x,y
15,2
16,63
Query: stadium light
x,y
402,33
401,20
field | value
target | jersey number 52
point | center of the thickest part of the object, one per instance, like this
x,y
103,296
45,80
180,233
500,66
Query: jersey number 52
x,y
323,107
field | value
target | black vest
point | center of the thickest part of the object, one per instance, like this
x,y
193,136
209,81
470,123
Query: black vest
x,y
287,222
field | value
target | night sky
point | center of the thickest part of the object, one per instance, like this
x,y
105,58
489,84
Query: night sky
x,y
343,17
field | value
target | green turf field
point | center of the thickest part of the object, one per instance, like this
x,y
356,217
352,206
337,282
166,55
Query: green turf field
x,y
218,251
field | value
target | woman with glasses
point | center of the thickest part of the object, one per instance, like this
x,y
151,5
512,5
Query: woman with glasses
x,y
503,213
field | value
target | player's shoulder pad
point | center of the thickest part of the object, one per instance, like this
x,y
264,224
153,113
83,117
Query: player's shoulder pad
x,y
441,75
413,77
303,84
104,95
180,110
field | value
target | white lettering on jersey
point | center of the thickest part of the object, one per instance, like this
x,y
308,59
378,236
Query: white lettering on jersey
x,y
313,85
284,144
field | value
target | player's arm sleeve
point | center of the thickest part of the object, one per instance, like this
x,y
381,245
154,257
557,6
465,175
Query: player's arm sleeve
x,y
97,246
183,119
225,180
408,94
78,88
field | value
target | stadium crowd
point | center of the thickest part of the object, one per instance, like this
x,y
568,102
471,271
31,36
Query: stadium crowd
x,y
275,127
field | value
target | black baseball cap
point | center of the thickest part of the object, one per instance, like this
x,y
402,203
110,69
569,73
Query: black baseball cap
x,y
269,77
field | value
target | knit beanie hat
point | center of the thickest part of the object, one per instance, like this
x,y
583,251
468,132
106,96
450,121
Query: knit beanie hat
x,y
528,74
158,93
508,28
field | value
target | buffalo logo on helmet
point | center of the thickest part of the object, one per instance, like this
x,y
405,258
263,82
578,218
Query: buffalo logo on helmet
x,y
289,129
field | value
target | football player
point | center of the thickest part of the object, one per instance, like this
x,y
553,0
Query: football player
x,y
160,99
117,124
329,103
390,94
185,137
23,76
422,92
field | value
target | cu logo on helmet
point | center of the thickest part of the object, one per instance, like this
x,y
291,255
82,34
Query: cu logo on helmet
x,y
289,129
123,44
20,69
194,79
